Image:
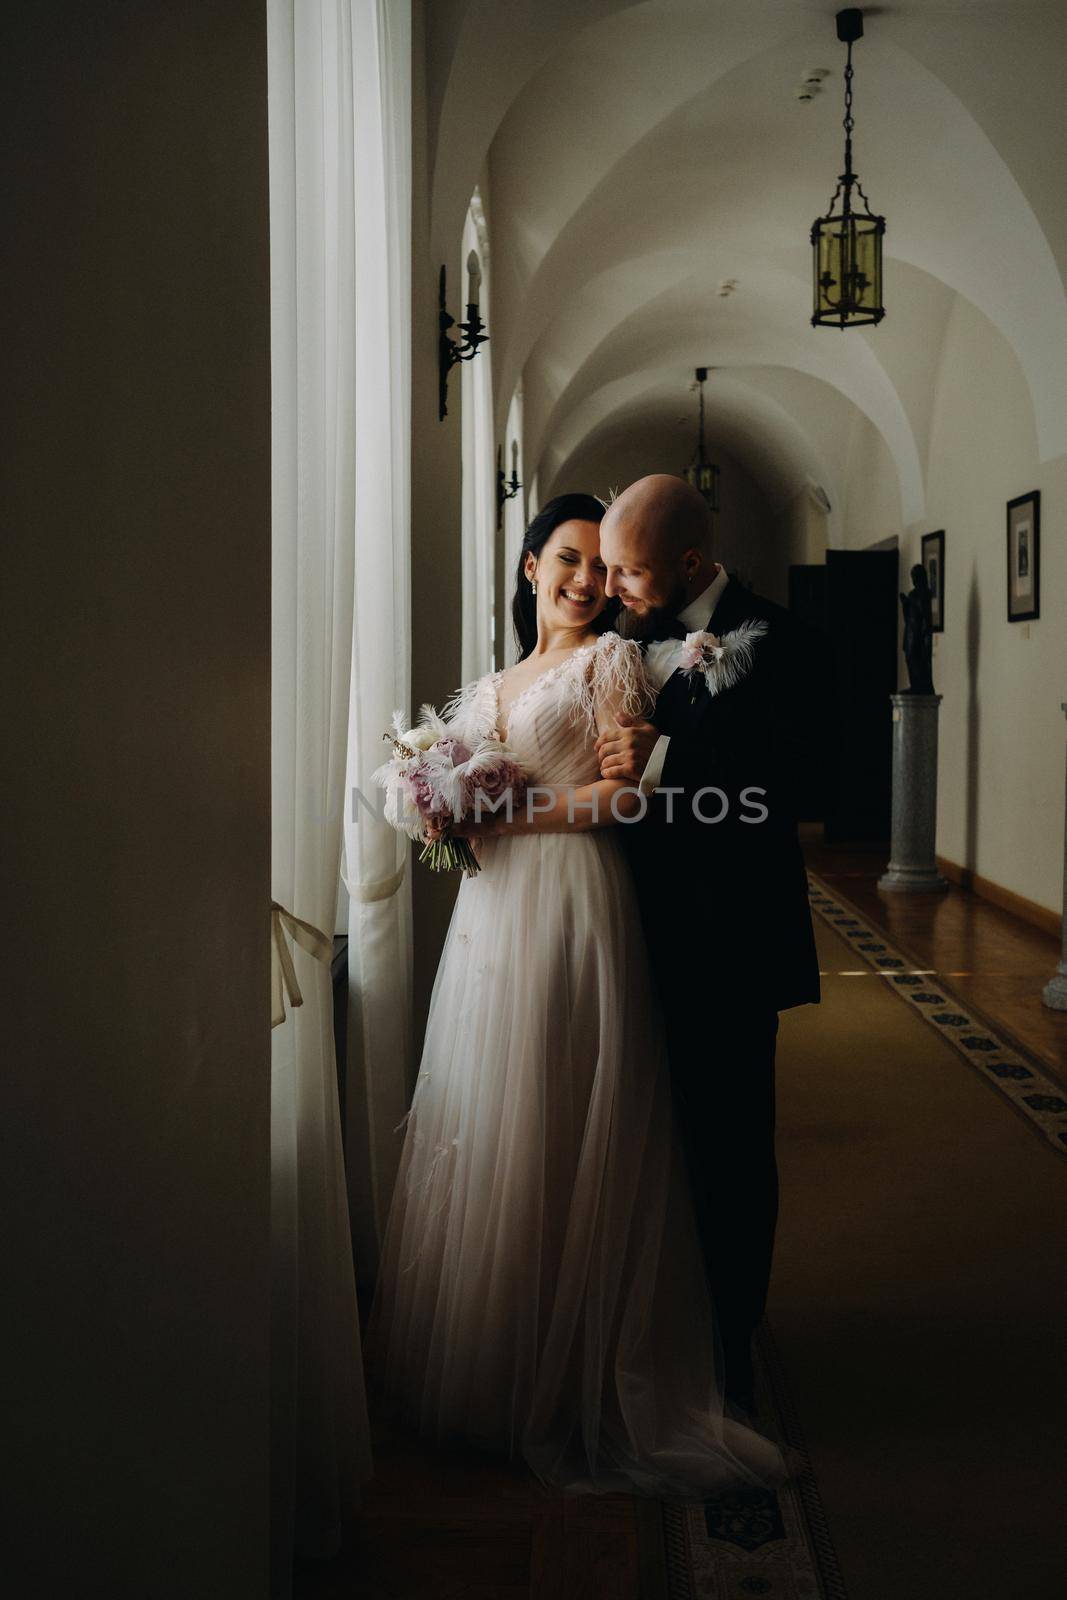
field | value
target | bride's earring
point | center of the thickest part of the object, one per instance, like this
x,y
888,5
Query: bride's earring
x,y
533,586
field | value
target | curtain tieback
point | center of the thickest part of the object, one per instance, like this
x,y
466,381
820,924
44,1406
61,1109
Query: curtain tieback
x,y
377,888
383,889
282,969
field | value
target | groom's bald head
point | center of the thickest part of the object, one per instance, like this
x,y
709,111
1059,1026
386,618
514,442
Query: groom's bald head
x,y
662,515
656,543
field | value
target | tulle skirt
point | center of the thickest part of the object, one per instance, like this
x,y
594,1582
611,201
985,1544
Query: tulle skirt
x,y
542,1291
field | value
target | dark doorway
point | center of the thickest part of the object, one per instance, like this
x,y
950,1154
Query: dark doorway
x,y
807,603
852,602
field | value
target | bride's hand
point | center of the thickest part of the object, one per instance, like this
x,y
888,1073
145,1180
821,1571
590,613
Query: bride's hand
x,y
466,828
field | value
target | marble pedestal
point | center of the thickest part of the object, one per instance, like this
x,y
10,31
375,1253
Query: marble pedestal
x,y
912,862
1054,993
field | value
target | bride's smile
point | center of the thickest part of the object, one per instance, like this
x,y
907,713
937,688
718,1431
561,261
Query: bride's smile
x,y
563,588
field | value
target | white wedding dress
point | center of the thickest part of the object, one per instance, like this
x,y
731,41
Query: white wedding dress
x,y
541,1290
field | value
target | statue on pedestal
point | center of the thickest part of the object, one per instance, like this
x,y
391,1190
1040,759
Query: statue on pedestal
x,y
918,633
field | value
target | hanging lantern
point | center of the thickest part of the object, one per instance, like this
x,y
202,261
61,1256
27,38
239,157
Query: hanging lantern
x,y
700,473
847,244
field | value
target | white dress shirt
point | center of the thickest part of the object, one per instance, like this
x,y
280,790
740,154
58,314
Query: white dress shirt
x,y
661,659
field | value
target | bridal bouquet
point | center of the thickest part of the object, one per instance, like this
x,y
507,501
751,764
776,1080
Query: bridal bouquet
x,y
434,776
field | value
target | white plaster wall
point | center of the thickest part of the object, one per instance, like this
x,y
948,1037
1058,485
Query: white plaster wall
x,y
1002,733
870,510
1001,769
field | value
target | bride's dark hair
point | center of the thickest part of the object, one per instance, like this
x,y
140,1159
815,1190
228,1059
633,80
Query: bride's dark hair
x,y
564,508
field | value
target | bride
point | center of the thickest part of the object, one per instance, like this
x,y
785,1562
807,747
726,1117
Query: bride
x,y
542,1289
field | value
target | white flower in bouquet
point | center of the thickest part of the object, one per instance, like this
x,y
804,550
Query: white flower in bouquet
x,y
418,738
434,776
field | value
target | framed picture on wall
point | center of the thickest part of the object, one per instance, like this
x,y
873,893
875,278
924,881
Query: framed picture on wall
x,y
1024,556
933,555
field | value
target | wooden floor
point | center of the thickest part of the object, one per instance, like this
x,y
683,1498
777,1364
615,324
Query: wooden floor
x,y
916,1293
456,1525
996,962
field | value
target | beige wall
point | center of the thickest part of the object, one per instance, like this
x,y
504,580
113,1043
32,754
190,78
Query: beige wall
x,y
1002,733
136,522
803,537
870,503
436,503
1001,795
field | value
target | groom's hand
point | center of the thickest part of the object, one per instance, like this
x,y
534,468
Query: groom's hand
x,y
623,752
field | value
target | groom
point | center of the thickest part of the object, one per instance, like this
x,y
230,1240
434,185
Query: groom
x,y
719,873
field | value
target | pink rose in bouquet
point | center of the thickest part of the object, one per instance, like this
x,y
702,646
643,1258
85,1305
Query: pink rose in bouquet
x,y
491,775
435,776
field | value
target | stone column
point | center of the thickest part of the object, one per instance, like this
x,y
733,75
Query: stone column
x,y
912,862
1054,993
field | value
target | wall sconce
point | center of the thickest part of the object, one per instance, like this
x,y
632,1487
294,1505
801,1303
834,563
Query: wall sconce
x,y
506,490
448,351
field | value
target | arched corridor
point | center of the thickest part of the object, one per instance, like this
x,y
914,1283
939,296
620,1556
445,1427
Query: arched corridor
x,y
374,355
649,175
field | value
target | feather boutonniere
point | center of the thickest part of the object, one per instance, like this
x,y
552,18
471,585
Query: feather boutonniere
x,y
721,662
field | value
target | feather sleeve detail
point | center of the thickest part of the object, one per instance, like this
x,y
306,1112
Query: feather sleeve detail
x,y
613,682
469,709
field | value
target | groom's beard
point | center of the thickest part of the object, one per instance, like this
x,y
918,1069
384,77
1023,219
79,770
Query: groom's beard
x,y
652,623
631,626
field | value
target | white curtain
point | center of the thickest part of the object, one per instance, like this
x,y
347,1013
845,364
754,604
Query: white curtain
x,y
479,465
378,888
337,578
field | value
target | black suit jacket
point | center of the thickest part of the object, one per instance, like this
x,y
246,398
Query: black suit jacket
x,y
725,904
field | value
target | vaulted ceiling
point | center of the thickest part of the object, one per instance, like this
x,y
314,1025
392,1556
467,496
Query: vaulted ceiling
x,y
638,155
